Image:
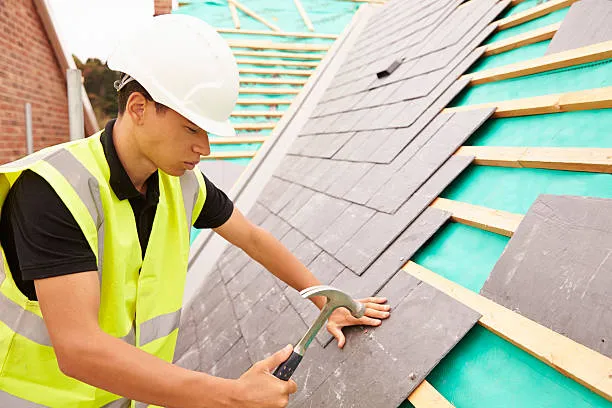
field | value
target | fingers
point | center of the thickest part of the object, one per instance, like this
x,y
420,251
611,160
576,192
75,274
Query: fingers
x,y
337,333
377,306
378,314
277,358
373,300
291,387
368,321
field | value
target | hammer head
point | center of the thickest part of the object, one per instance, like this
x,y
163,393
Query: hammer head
x,y
335,299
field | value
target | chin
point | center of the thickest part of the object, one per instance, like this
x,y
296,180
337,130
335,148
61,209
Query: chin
x,y
176,172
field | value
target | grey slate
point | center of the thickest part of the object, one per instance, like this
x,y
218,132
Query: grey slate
x,y
557,269
429,324
243,278
296,202
428,158
587,22
276,203
399,252
235,362
307,251
343,227
237,259
276,226
262,313
317,214
382,229
251,294
326,145
350,176
373,180
325,268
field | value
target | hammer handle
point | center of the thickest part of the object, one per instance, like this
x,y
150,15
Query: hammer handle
x,y
286,369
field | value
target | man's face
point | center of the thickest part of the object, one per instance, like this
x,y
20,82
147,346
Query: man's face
x,y
171,142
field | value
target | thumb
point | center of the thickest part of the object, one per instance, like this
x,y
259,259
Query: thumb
x,y
277,358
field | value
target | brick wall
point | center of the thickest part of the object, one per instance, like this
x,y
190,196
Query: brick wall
x,y
29,72
162,7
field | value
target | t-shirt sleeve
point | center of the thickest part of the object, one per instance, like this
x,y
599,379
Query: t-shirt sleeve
x,y
217,208
47,239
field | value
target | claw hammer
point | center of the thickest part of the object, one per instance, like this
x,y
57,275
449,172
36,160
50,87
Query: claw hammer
x,y
335,299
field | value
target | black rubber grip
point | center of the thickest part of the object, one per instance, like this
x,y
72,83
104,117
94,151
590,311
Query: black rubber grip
x,y
285,370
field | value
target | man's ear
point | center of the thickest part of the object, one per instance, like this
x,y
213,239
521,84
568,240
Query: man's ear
x,y
136,106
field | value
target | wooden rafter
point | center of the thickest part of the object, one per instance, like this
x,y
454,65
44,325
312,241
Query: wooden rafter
x,y
577,56
304,15
277,33
238,140
426,396
598,98
247,154
272,71
270,91
267,54
278,63
488,219
269,45
572,359
530,37
254,15
533,13
272,81
234,13
594,160
264,101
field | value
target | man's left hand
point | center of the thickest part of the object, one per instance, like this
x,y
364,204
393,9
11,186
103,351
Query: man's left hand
x,y
375,312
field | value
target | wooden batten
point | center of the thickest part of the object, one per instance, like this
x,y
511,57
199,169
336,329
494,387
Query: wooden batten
x,y
238,140
598,98
533,13
571,358
254,126
594,160
229,155
271,102
307,64
426,396
268,45
270,54
272,81
272,71
248,114
270,91
517,41
488,219
577,56
277,33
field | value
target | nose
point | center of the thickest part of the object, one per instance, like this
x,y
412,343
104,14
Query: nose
x,y
202,146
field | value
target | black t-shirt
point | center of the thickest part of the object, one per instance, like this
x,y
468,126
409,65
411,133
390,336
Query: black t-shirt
x,y
41,238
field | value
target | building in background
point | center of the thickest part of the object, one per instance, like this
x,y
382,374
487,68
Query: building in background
x,y
33,67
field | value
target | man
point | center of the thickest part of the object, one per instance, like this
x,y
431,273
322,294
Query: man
x,y
95,235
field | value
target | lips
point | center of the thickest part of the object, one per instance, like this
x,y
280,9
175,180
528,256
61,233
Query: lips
x,y
191,165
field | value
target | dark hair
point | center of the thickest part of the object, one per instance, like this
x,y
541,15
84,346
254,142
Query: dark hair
x,y
133,86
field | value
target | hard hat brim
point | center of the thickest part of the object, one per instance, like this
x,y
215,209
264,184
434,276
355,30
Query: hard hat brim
x,y
217,128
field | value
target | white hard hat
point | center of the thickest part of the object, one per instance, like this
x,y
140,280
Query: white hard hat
x,y
185,64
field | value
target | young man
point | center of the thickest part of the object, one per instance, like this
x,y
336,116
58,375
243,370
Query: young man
x,y
95,235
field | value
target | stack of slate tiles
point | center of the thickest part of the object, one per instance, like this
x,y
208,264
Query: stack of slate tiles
x,y
350,200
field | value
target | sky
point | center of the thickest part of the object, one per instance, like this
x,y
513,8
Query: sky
x,y
89,28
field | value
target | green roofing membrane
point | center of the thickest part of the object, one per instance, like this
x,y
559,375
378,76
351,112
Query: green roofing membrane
x,y
524,53
577,78
328,17
547,19
589,128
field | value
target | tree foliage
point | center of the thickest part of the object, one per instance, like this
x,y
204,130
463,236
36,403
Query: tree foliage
x,y
98,83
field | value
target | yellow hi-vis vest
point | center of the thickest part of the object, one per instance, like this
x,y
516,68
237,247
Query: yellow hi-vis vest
x,y
140,299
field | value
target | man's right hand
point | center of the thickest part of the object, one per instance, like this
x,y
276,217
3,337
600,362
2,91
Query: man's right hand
x,y
260,389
